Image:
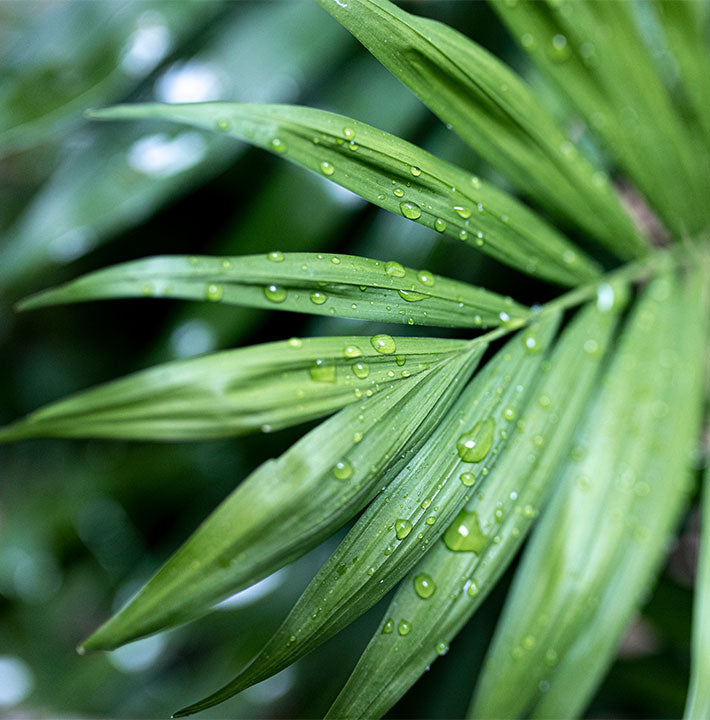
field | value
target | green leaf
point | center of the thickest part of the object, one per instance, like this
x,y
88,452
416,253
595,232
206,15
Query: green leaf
x,y
495,112
600,541
502,507
410,515
342,285
230,393
391,173
698,706
287,506
594,53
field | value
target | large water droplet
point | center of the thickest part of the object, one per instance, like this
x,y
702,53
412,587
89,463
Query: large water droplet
x,y
424,586
439,224
410,210
318,298
383,344
465,534
322,372
275,256
275,293
213,292
343,469
425,277
402,528
388,627
474,445
361,370
462,211
394,269
404,627
352,351
468,479
415,171
278,145
327,168
411,295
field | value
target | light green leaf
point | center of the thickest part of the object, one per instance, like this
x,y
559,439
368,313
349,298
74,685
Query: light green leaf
x,y
391,173
288,505
404,521
698,706
230,393
342,285
502,508
495,112
600,541
595,55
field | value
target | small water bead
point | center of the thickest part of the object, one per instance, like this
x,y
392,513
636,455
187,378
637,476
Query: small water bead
x,y
462,211
335,260
472,590
388,627
410,210
442,648
425,278
384,344
400,360
352,146
147,290
468,479
538,440
404,627
465,534
463,235
223,124
398,192
327,168
275,256
321,372
278,145
318,298
295,342
440,225
402,528
213,293
394,269
473,446
475,181
361,370
275,293
430,520
352,351
544,401
343,469
559,49
527,40
415,171
591,347
424,586
531,342
509,413
605,297
348,133
411,295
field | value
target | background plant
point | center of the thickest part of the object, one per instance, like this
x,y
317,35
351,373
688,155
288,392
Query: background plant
x,y
625,94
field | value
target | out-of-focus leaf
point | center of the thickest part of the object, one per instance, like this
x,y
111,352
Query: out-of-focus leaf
x,y
77,54
595,55
411,514
491,109
595,552
230,393
111,178
698,706
342,285
502,507
287,506
391,173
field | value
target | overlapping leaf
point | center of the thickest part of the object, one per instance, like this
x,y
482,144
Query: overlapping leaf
x,y
406,520
492,110
288,505
595,552
342,285
595,54
460,571
391,173
234,392
698,706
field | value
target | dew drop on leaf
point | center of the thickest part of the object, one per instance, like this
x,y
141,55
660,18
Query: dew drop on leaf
x,y
462,211
415,171
410,210
322,372
388,627
343,469
275,293
402,528
213,292
468,479
411,295
318,298
424,586
465,534
439,224
278,145
404,627
473,446
361,370
352,351
383,344
394,269
275,256
327,168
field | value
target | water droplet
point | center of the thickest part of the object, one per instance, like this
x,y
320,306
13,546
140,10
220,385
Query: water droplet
x,y
504,318
327,168
322,372
465,534
544,402
213,292
348,133
357,437
605,297
335,260
278,145
472,589
275,256
462,211
439,225
404,627
223,124
318,298
559,50
402,528
475,181
343,469
352,351
591,346
398,192
442,648
388,627
468,479
473,446
295,342
394,269
147,290
527,40
275,293
531,342
361,370
463,235
383,344
509,413
411,296
410,210
425,278
424,586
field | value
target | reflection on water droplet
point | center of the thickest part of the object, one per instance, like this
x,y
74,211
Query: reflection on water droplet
x,y
410,210
463,212
361,370
275,256
402,528
467,479
404,627
343,469
352,351
425,277
348,133
411,296
465,534
424,586
213,292
473,446
394,269
318,298
388,627
398,192
327,168
415,171
439,225
275,293
383,344
322,372
278,145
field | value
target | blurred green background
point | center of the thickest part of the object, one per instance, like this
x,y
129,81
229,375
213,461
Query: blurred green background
x,y
83,523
